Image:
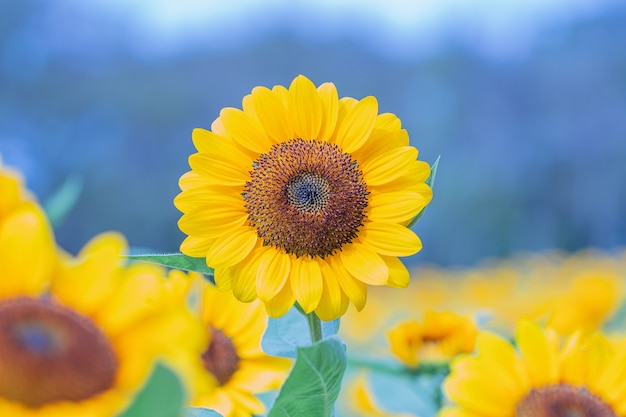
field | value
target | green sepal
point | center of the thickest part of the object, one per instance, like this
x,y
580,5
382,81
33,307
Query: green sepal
x,y
162,396
61,203
430,181
314,382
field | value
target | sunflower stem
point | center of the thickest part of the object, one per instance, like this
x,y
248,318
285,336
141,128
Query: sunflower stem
x,y
315,327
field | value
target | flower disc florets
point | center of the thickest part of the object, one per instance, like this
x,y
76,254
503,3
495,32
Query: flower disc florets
x,y
306,197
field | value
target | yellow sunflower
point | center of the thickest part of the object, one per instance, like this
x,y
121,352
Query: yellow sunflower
x,y
302,196
438,338
233,360
585,376
13,194
79,336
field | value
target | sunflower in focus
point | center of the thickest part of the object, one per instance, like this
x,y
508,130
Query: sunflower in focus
x,y
79,336
438,338
584,376
234,368
302,196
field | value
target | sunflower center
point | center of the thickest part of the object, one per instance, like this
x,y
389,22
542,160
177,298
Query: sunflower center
x,y
306,197
220,358
49,353
562,400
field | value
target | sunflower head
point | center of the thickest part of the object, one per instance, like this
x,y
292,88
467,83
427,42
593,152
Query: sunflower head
x,y
302,196
79,335
234,369
438,338
545,376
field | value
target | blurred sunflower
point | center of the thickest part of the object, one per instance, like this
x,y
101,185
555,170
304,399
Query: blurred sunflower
x,y
438,338
233,360
302,196
79,336
13,194
362,402
584,377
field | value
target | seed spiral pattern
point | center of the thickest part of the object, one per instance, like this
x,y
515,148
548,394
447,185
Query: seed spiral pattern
x,y
306,197
562,400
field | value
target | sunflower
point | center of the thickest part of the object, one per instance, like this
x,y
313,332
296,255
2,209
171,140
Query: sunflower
x,y
304,197
436,339
361,401
79,336
233,360
13,194
585,376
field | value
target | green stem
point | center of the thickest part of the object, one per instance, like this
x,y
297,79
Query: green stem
x,y
315,327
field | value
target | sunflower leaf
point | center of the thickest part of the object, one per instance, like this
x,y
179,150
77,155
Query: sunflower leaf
x,y
430,181
176,261
162,396
313,385
285,334
200,412
59,205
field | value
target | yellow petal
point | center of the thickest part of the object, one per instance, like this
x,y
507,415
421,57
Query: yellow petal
x,y
330,106
211,222
390,239
354,289
245,130
357,125
305,108
27,252
281,303
364,264
395,207
272,113
399,276
389,165
381,141
274,268
195,246
206,196
306,282
538,353
334,302
231,247
223,278
191,180
219,170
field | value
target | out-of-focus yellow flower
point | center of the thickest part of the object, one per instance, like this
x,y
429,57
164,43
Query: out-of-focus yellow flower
x,y
13,194
438,338
81,335
302,196
361,401
584,376
234,368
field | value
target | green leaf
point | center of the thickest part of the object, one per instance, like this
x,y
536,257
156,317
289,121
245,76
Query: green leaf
x,y
176,261
430,181
200,412
162,396
59,205
313,385
284,334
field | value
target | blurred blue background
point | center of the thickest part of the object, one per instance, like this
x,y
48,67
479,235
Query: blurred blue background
x,y
525,100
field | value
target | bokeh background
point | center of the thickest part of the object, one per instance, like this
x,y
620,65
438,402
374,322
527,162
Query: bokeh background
x,y
525,101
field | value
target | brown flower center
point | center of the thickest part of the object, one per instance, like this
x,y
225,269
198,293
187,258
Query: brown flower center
x,y
49,353
306,197
562,400
220,358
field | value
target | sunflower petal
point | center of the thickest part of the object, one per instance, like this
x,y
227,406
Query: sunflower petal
x,y
245,130
231,247
388,166
364,264
306,283
330,106
274,268
305,108
357,125
390,239
272,113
